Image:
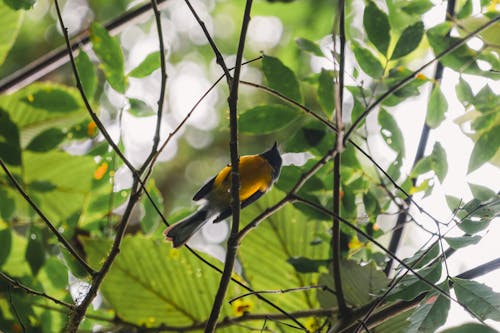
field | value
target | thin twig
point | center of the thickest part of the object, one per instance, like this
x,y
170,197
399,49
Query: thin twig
x,y
232,243
218,56
283,291
163,87
46,220
16,284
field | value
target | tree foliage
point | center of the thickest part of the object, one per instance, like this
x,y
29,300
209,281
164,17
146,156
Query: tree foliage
x,y
103,153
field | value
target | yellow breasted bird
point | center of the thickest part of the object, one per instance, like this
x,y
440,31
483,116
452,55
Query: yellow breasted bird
x,y
257,174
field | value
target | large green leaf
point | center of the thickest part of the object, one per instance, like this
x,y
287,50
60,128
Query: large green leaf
x,y
151,63
266,251
281,78
309,46
390,132
11,23
459,242
10,150
150,283
58,181
436,108
264,119
431,313
108,50
416,7
87,73
325,92
32,117
485,148
377,27
360,284
478,298
408,41
470,328
411,286
464,92
367,61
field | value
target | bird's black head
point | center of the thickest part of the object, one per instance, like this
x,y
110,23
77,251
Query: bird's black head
x,y
274,158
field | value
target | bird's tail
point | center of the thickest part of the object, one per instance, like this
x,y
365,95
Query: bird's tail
x,y
180,232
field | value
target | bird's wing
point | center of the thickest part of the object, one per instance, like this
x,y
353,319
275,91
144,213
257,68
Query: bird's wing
x,y
204,190
227,212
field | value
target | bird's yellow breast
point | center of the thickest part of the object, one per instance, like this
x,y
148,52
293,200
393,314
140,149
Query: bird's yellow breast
x,y
255,175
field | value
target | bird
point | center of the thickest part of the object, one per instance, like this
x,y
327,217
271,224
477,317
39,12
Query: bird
x,y
257,175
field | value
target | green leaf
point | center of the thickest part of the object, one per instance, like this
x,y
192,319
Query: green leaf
x,y
281,78
87,73
46,140
306,265
110,54
266,119
325,92
478,298
485,148
466,10
431,313
459,242
20,4
422,257
56,272
439,162
417,7
436,108
367,61
453,202
7,204
151,218
390,132
411,286
140,109
309,46
35,251
408,41
151,273
65,181
290,234
11,23
6,241
10,150
53,100
377,27
470,328
32,120
372,207
481,192
464,92
359,283
151,63
424,165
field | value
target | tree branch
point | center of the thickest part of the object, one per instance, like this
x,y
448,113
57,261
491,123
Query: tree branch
x,y
232,244
163,86
339,94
